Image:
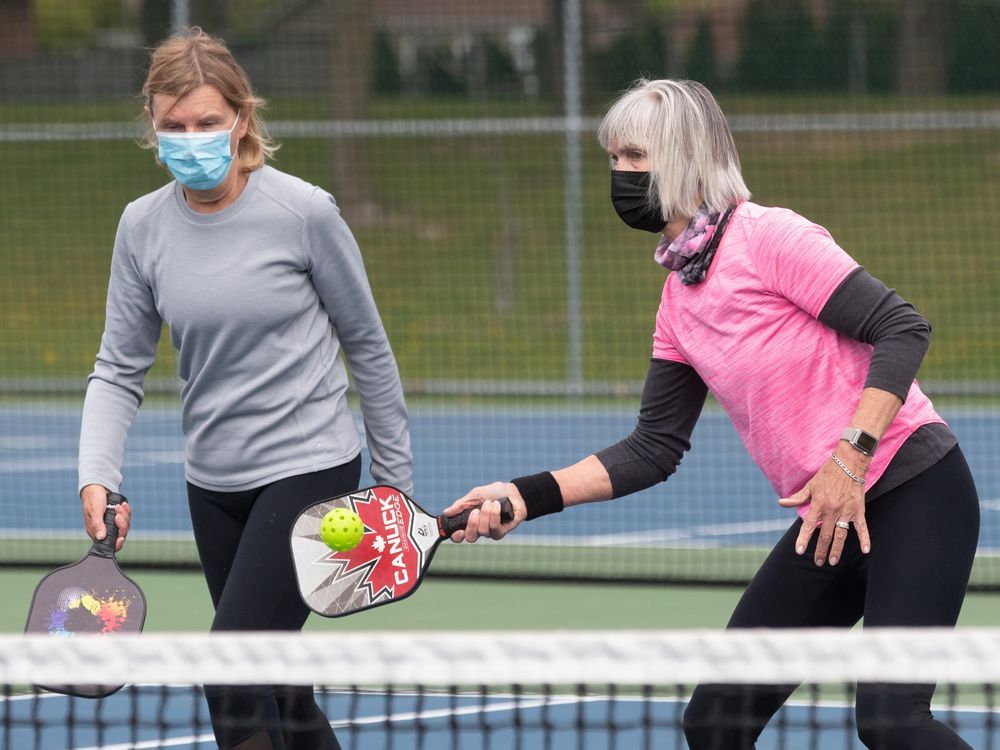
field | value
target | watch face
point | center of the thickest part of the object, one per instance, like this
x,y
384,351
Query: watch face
x,y
866,442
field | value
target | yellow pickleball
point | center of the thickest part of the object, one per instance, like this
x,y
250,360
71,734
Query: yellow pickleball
x,y
341,529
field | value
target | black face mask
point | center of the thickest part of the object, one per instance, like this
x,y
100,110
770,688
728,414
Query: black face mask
x,y
630,197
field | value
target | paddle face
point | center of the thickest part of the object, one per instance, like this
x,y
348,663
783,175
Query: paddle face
x,y
91,596
398,543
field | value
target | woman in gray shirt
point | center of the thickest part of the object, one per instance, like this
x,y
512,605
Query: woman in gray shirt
x,y
262,285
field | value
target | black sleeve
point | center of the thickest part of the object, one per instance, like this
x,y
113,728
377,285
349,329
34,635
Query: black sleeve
x,y
672,400
865,309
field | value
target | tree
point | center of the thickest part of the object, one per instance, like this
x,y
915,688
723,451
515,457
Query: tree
x,y
68,27
18,29
922,58
701,59
352,46
154,22
975,52
637,53
778,52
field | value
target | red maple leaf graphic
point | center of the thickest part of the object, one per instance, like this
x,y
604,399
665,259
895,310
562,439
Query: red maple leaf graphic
x,y
387,555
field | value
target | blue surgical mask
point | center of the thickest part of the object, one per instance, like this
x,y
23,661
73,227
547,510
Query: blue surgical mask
x,y
199,161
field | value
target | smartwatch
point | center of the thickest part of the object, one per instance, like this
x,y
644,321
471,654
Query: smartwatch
x,y
860,440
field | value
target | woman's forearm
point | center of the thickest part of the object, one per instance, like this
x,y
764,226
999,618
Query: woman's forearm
x,y
586,481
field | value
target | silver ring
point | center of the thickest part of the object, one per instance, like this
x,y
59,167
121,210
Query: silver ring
x,y
843,524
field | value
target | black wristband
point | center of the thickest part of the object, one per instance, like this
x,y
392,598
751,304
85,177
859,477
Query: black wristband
x,y
541,494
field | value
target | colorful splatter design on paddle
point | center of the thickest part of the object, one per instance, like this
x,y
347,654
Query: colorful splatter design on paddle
x,y
81,611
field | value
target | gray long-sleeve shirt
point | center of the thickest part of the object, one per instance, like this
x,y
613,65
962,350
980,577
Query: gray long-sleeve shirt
x,y
260,299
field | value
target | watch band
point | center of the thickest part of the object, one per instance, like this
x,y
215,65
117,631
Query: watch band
x,y
860,440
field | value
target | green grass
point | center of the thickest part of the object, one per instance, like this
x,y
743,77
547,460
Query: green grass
x,y
466,248
180,602
716,565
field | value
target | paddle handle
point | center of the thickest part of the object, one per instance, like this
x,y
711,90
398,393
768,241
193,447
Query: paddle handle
x,y
448,525
106,547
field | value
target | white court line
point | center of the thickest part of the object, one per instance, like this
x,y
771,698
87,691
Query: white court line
x,y
8,532
30,443
182,536
989,504
520,703
654,536
437,713
45,464
37,465
196,739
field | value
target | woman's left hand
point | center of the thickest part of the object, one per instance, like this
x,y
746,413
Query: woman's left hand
x,y
833,497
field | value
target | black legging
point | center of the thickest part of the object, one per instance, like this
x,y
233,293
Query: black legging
x,y
924,535
242,540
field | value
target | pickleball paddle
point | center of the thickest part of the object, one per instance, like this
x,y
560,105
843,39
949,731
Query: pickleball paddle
x,y
389,563
91,596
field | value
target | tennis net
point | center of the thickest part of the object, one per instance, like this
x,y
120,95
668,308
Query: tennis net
x,y
520,689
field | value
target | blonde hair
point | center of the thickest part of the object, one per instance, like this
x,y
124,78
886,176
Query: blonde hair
x,y
191,58
681,129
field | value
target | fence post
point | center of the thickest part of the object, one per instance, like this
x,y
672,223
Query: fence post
x,y
180,14
573,95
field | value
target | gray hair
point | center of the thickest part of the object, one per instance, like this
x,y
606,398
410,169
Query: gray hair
x,y
681,129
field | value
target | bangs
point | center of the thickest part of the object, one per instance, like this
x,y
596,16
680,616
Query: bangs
x,y
634,121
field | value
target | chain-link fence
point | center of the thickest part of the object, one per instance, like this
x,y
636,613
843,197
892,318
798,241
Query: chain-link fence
x,y
458,138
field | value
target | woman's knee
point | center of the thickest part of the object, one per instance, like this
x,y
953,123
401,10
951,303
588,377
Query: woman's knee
x,y
898,717
730,717
242,711
699,722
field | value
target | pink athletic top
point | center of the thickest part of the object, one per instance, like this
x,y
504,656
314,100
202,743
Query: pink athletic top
x,y
789,383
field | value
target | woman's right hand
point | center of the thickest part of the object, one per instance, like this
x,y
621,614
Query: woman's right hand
x,y
484,520
95,502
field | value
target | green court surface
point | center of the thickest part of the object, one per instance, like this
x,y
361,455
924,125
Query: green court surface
x,y
179,601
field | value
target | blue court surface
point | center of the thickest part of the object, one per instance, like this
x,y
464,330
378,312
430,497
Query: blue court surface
x,y
717,499
433,722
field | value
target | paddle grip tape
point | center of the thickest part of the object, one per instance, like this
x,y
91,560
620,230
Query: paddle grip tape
x,y
541,494
448,525
106,547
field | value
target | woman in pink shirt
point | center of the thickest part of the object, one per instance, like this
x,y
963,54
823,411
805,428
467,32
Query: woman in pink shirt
x,y
814,361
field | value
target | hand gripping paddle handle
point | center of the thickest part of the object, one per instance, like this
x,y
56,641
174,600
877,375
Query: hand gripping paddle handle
x,y
106,547
448,525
